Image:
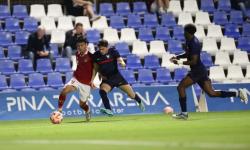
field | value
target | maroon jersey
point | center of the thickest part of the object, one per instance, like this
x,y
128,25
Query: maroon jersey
x,y
84,68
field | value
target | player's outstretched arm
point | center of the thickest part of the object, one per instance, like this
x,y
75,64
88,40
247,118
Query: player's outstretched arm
x,y
94,72
121,62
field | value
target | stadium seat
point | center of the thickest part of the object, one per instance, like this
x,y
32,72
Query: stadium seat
x,y
84,20
4,12
145,76
28,90
222,59
168,20
123,8
235,73
202,18
163,76
25,66
128,35
129,76
140,48
139,8
46,89
68,76
43,65
3,82
246,29
185,18
21,37
8,91
207,6
36,80
14,52
200,33
93,36
169,65
122,48
20,11
55,11
244,43
236,17
133,62
151,62
37,11
241,58
209,45
55,80
2,55
6,39
65,23
100,24
178,33
228,44
106,9
17,81
12,25
111,35
7,67
145,34
220,18
150,20
63,65
191,6
117,22
49,24
134,21
175,7
224,5
214,31
175,47
247,76
206,59
55,50
157,48
232,30
30,24
162,33
57,36
179,74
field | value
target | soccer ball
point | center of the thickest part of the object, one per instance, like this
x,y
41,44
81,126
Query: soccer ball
x,y
168,110
56,117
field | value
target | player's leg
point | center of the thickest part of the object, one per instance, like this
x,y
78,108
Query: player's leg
x,y
84,92
130,92
67,89
104,89
90,12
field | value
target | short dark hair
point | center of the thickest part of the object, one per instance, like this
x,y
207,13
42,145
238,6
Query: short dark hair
x,y
82,40
103,43
78,24
190,28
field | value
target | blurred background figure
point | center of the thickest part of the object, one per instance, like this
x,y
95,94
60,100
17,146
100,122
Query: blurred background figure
x,y
159,6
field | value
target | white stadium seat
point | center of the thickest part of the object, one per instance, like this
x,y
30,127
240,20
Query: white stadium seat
x,y
209,45
84,20
202,18
55,11
57,36
37,11
222,59
191,6
157,48
217,74
200,33
185,18
140,48
214,31
241,58
111,35
49,24
228,44
65,23
100,24
235,73
166,62
128,35
175,7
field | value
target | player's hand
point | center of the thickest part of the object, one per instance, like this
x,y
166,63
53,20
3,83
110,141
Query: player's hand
x,y
123,65
174,60
92,85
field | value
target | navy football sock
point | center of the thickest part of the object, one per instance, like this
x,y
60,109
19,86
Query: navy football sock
x,y
227,94
137,98
105,99
183,103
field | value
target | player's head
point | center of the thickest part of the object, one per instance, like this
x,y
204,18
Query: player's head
x,y
189,31
103,46
79,28
82,44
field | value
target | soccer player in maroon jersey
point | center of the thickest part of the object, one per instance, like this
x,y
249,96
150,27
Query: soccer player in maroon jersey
x,y
82,79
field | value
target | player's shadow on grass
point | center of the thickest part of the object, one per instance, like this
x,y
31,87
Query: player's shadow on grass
x,y
94,121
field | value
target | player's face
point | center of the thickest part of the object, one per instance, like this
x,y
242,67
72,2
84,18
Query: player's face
x,y
103,50
82,47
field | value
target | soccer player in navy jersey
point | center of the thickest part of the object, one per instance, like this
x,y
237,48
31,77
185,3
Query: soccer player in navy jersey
x,y
198,73
105,60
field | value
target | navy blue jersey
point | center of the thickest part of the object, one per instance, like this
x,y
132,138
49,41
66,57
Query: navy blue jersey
x,y
193,47
107,63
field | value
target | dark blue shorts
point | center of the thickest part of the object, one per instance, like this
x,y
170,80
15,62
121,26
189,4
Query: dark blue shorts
x,y
199,77
115,80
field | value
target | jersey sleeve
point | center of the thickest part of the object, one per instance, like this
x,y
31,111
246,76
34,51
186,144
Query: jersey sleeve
x,y
116,54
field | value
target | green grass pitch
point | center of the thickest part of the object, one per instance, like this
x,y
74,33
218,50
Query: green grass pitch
x,y
212,131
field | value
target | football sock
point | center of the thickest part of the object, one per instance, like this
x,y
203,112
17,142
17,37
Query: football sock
x,y
137,98
228,94
183,103
61,101
84,106
105,99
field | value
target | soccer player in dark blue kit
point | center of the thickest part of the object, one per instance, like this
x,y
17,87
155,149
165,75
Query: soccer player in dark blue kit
x,y
105,60
198,73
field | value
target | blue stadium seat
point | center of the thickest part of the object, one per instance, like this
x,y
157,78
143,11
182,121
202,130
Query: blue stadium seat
x,y
178,33
175,47
168,20
44,65
206,58
1,28
232,30
133,62
220,18
7,67
179,74
117,22
28,90
150,20
30,24
4,12
12,25
134,21
46,89
236,17
122,48
55,49
151,62
36,80
25,66
145,34
6,39
17,81
207,5
129,76
244,43
21,37
15,52
93,36
8,91
163,76
3,82
145,76
55,80
224,5
20,11
63,65
162,33
139,8
123,8
106,9
246,29
68,76
2,56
